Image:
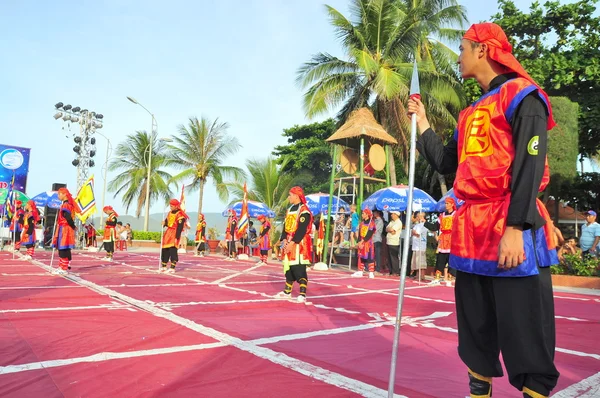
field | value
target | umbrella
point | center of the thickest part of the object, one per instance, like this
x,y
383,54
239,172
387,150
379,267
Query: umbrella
x,y
441,204
395,199
17,195
48,198
255,209
318,203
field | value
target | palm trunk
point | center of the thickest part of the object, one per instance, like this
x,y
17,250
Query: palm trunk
x,y
200,196
393,178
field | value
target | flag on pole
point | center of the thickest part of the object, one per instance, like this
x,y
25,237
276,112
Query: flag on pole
x,y
244,218
8,204
182,199
321,235
86,200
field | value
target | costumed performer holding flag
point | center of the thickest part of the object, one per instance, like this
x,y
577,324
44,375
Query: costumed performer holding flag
x,y
16,225
64,233
502,239
174,224
110,234
200,236
31,218
297,244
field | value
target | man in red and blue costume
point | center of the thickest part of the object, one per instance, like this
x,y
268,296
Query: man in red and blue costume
x,y
28,237
264,239
16,224
366,248
297,244
174,223
110,234
230,234
64,234
502,241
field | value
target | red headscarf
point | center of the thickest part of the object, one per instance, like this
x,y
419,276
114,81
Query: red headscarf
x,y
368,212
34,210
176,203
452,202
110,209
18,203
70,199
300,192
261,217
500,50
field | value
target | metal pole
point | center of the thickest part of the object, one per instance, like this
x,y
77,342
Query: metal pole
x,y
361,184
330,204
387,166
108,150
147,217
405,248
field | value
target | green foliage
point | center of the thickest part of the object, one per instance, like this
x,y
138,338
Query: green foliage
x,y
575,265
212,233
583,191
307,155
198,151
559,45
131,159
563,139
382,38
143,235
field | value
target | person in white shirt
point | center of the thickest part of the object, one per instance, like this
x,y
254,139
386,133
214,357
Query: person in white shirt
x,y
392,240
419,246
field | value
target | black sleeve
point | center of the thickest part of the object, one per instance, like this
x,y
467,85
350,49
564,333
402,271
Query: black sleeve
x,y
529,124
443,158
30,226
368,236
303,228
68,218
180,225
203,231
21,219
265,231
432,226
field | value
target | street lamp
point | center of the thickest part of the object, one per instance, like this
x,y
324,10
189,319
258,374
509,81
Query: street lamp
x,y
154,131
108,151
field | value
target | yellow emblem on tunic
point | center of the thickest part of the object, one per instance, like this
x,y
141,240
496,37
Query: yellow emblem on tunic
x,y
477,141
446,223
290,222
364,229
171,219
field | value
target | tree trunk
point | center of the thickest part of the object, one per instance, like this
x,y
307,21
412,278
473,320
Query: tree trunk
x,y
200,195
433,181
442,181
393,179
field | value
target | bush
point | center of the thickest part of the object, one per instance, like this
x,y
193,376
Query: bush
x,y
143,235
574,265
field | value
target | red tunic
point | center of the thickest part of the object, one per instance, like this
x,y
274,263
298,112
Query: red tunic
x,y
171,222
109,228
264,242
64,235
200,230
445,238
28,239
483,180
303,252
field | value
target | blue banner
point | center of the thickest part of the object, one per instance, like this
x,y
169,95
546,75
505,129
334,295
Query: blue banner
x,y
14,161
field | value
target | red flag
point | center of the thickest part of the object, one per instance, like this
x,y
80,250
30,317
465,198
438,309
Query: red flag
x,y
321,235
182,199
244,218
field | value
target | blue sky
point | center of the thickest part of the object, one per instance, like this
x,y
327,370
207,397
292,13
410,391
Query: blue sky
x,y
232,60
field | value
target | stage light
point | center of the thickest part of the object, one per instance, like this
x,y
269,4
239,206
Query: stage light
x,y
93,141
97,125
58,115
84,111
92,163
76,149
67,117
75,162
67,107
92,153
99,116
77,140
76,109
74,119
59,105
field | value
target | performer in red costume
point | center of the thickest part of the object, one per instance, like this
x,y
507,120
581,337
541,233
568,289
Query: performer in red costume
x,y
64,235
200,237
230,234
174,224
297,244
366,248
502,247
110,235
444,226
264,240
16,225
31,218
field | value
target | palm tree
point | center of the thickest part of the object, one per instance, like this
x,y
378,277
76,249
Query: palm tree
x,y
382,39
199,150
132,161
268,184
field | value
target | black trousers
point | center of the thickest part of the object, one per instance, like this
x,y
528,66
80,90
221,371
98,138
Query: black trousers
x,y
514,316
394,260
109,246
296,273
169,254
65,253
377,256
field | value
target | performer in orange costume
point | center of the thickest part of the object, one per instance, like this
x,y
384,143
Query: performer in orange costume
x,y
64,235
501,247
174,223
444,226
200,237
366,248
230,234
16,224
110,235
264,240
31,218
297,244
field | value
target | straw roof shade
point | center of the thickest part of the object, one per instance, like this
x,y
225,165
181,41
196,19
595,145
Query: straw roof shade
x,y
360,123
